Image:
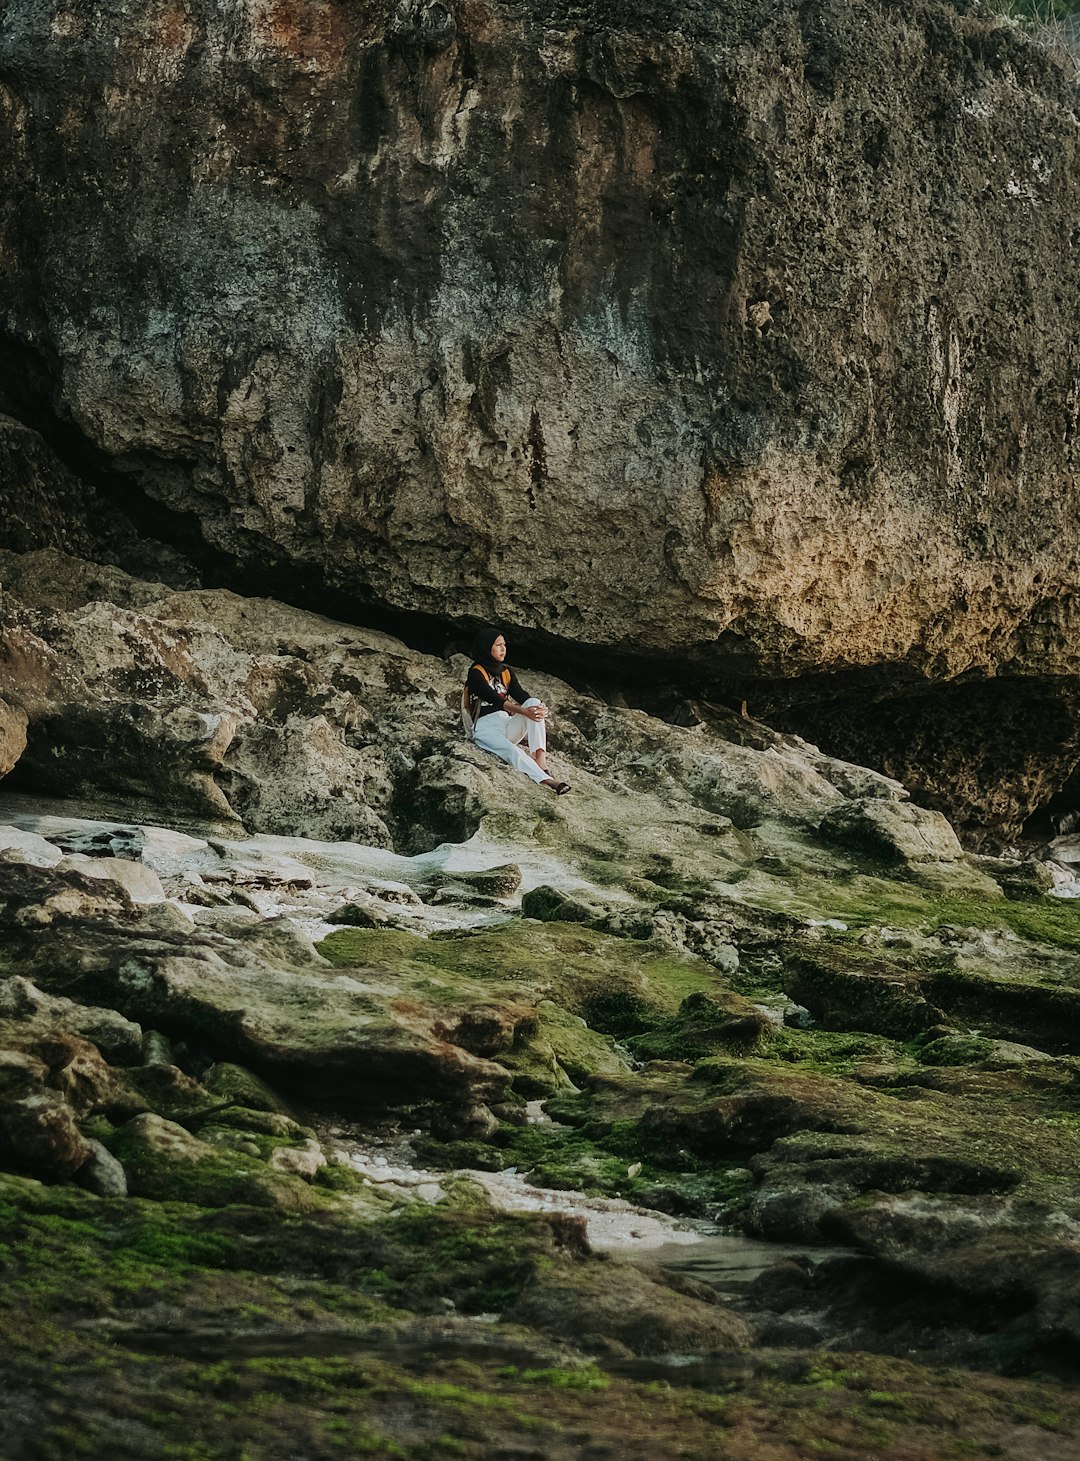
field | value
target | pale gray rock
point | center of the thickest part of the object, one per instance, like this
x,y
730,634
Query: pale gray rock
x,y
899,834
142,884
19,845
298,1161
102,1173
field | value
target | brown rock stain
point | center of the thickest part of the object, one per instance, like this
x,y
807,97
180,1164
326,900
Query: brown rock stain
x,y
477,20
316,37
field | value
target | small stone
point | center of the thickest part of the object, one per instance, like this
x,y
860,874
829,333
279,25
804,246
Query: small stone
x,y
302,1161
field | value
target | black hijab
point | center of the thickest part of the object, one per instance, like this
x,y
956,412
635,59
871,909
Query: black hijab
x,y
483,639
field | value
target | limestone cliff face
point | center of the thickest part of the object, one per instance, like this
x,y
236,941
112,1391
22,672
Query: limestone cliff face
x,y
739,329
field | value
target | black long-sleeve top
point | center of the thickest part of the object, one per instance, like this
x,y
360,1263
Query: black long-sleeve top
x,y
492,693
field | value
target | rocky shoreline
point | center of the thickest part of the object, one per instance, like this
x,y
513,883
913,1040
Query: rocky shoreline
x,y
302,1131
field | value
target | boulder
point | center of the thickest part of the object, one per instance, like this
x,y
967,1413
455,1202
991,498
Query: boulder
x,y
299,1161
32,896
118,1039
38,1130
234,1083
13,721
141,883
102,1173
366,912
901,836
1018,878
614,1303
165,1162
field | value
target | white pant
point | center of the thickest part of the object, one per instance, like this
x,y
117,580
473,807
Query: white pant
x,y
502,733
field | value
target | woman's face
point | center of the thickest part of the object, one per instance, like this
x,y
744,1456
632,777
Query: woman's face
x,y
498,649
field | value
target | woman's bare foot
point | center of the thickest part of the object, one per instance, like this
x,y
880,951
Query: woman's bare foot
x,y
560,788
540,757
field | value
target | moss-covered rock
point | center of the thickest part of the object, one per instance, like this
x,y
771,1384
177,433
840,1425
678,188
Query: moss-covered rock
x,y
233,1083
905,838
594,1305
850,988
166,1162
704,1024
956,1050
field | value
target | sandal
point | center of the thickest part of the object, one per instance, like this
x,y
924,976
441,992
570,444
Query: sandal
x,y
560,788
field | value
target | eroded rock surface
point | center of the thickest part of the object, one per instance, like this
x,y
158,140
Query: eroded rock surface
x,y
863,1067
734,336
235,712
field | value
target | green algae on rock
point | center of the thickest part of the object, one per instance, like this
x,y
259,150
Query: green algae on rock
x,y
725,1015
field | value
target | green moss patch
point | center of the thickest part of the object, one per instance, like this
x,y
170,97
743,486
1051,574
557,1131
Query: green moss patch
x,y
210,1176
563,962
260,1342
866,902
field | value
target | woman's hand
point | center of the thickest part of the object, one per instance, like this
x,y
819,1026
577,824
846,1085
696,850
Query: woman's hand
x,y
534,712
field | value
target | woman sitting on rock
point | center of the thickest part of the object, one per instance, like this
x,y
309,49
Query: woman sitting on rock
x,y
502,713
